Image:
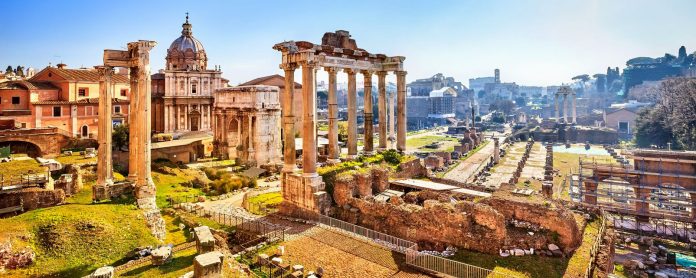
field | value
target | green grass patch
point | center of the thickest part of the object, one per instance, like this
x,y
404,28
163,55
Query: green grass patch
x,y
73,240
75,158
523,266
266,200
580,260
180,264
21,167
169,185
421,141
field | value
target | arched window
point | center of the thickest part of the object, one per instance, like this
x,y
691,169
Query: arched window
x,y
85,131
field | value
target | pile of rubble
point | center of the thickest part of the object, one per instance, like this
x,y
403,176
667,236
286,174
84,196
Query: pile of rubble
x,y
15,260
659,262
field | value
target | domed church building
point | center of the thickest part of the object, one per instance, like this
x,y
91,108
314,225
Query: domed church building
x,y
182,93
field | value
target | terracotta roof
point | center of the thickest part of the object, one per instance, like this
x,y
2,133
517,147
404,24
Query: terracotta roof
x,y
271,80
79,102
29,85
90,75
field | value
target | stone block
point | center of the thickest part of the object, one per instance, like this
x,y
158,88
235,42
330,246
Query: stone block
x,y
208,265
162,255
103,272
205,242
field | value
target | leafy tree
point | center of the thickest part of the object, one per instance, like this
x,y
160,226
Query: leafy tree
x,y
502,105
120,136
673,119
9,70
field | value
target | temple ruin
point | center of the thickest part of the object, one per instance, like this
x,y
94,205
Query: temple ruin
x,y
137,60
337,52
565,92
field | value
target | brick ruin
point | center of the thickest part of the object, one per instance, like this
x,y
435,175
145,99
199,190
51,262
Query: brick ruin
x,y
435,221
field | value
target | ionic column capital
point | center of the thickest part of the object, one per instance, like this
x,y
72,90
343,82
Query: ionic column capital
x,y
105,72
381,74
400,73
308,64
331,70
350,71
367,73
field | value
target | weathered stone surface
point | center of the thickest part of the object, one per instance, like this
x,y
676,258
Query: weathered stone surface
x,y
103,272
32,198
411,169
205,242
208,265
161,255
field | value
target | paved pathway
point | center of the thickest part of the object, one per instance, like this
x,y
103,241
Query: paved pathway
x,y
465,171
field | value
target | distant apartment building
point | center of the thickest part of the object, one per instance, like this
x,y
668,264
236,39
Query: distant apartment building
x,y
461,101
67,99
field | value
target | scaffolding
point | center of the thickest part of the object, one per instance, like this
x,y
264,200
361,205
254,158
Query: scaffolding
x,y
657,189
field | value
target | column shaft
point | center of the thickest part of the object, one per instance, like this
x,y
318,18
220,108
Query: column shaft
x,y
334,149
392,119
382,107
134,121
288,115
104,160
565,108
558,117
352,115
401,102
574,109
309,133
367,112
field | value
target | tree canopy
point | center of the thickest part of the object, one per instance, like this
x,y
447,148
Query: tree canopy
x,y
673,119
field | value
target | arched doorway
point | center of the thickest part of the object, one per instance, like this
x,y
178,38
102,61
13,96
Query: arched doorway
x,y
22,147
84,131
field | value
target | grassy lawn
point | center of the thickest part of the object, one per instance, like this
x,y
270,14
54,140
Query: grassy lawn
x,y
421,141
75,158
568,163
169,185
580,260
20,167
73,240
524,266
271,199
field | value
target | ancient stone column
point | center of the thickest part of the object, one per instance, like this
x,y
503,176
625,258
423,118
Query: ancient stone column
x,y
145,187
334,149
401,106
574,108
392,119
367,111
288,115
565,108
309,132
496,150
166,118
104,160
382,107
558,113
134,122
352,116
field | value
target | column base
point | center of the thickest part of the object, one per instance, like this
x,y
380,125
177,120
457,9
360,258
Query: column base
x,y
333,161
351,157
368,152
303,195
289,168
310,175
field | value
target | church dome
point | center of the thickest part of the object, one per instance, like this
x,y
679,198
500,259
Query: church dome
x,y
186,52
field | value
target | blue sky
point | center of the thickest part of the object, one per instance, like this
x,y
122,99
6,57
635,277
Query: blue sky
x,y
542,42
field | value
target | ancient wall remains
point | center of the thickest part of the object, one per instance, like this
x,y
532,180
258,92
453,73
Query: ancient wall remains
x,y
33,198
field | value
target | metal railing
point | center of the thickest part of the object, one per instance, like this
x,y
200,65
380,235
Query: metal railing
x,y
595,247
270,232
414,258
8,182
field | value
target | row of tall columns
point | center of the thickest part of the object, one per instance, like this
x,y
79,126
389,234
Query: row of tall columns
x,y
104,160
309,143
176,117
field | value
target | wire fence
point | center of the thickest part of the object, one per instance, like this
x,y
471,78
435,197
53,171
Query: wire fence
x,y
8,182
595,247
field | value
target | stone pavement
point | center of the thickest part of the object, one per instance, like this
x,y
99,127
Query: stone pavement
x,y
465,171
